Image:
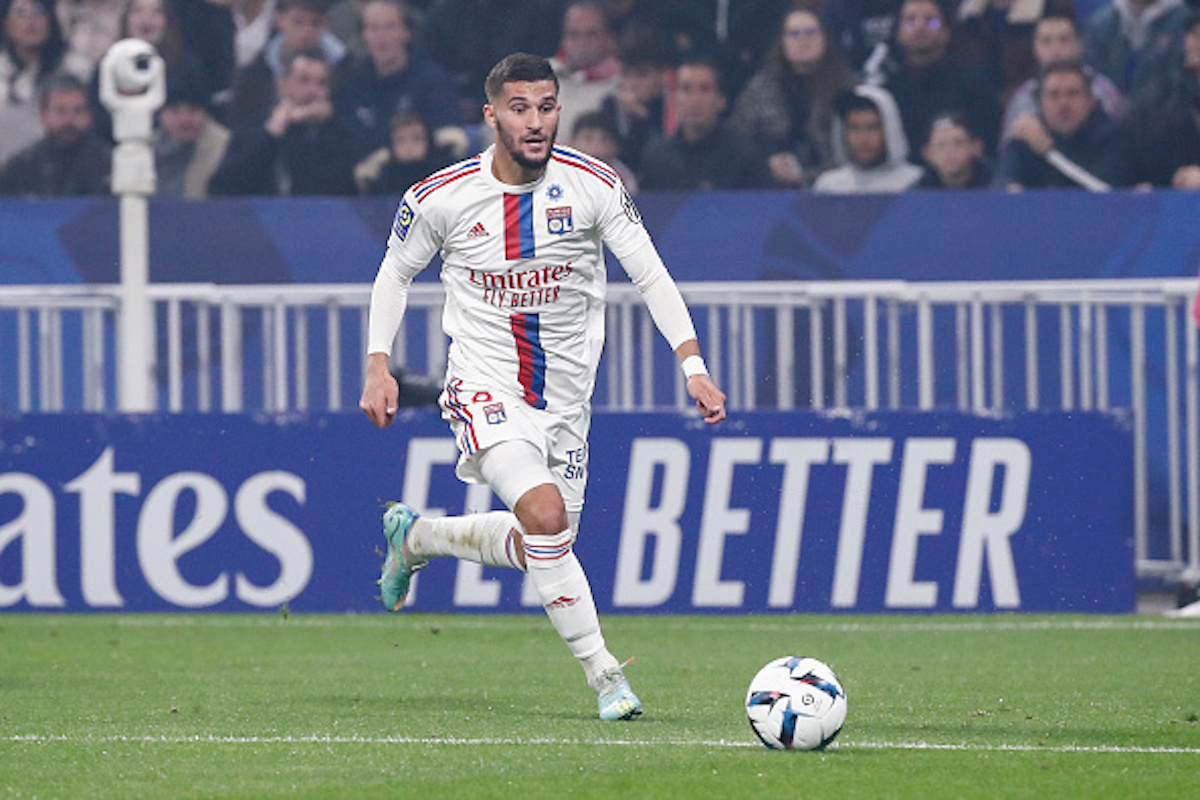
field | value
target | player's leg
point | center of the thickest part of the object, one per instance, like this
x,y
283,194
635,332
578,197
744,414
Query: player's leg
x,y
490,538
557,575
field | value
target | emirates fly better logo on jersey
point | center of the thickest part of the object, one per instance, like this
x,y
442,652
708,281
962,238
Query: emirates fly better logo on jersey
x,y
523,287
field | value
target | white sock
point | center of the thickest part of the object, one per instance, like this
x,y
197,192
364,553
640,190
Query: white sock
x,y
487,538
563,589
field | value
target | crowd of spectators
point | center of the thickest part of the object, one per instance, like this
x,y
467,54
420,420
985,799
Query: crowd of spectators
x,y
340,97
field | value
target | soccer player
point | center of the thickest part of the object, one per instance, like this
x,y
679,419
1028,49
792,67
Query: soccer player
x,y
520,228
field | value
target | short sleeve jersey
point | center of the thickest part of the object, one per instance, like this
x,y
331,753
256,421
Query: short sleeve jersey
x,y
523,269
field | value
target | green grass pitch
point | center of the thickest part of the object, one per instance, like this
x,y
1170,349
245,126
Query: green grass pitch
x,y
421,706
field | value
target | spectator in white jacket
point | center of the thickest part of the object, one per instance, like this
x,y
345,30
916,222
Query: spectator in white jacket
x,y
869,144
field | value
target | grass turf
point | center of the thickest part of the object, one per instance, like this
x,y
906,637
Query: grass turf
x,y
485,706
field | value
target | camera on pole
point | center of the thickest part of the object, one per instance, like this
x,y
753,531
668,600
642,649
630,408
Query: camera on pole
x,y
133,86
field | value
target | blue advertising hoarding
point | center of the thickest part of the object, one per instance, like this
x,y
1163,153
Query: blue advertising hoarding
x,y
768,513
703,236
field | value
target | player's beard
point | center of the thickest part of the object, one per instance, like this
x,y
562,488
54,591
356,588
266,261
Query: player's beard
x,y
511,144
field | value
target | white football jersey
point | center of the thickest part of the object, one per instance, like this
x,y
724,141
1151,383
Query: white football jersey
x,y
523,268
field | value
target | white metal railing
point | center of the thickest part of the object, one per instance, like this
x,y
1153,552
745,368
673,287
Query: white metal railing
x,y
982,347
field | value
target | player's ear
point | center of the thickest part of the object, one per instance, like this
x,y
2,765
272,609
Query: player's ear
x,y
489,115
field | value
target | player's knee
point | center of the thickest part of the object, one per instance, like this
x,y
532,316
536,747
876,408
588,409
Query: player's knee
x,y
545,520
541,511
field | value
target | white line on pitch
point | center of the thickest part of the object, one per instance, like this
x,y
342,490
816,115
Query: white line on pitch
x,y
759,624
483,741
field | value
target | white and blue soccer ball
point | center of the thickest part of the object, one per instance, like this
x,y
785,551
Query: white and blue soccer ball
x,y
796,703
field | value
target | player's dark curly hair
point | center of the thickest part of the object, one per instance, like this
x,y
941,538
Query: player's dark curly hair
x,y
514,67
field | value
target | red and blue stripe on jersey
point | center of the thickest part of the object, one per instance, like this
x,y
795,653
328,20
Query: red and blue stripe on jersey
x,y
448,175
518,208
575,159
531,358
518,226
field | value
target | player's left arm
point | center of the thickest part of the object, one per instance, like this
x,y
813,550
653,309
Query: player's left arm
x,y
622,230
670,314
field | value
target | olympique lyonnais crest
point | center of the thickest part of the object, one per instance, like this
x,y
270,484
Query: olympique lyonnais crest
x,y
559,220
495,413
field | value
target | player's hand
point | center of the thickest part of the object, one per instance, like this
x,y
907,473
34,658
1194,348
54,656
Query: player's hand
x,y
709,399
381,394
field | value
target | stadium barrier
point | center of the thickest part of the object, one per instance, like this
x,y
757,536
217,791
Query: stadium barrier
x,y
775,512
985,348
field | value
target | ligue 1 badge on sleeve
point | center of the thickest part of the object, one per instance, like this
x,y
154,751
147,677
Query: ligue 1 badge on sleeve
x,y
404,218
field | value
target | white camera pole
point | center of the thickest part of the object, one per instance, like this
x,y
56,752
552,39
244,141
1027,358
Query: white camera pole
x,y
133,87
135,337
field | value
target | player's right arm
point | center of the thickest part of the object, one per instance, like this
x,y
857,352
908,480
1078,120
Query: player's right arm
x,y
389,298
412,244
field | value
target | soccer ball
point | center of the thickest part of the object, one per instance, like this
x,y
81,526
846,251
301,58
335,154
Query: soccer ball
x,y
796,703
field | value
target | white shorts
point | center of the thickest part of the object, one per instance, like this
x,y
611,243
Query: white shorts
x,y
481,417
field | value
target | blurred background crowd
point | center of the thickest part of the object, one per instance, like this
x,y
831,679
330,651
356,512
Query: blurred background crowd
x,y
343,97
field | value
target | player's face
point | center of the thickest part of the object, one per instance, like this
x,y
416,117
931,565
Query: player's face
x,y
525,119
